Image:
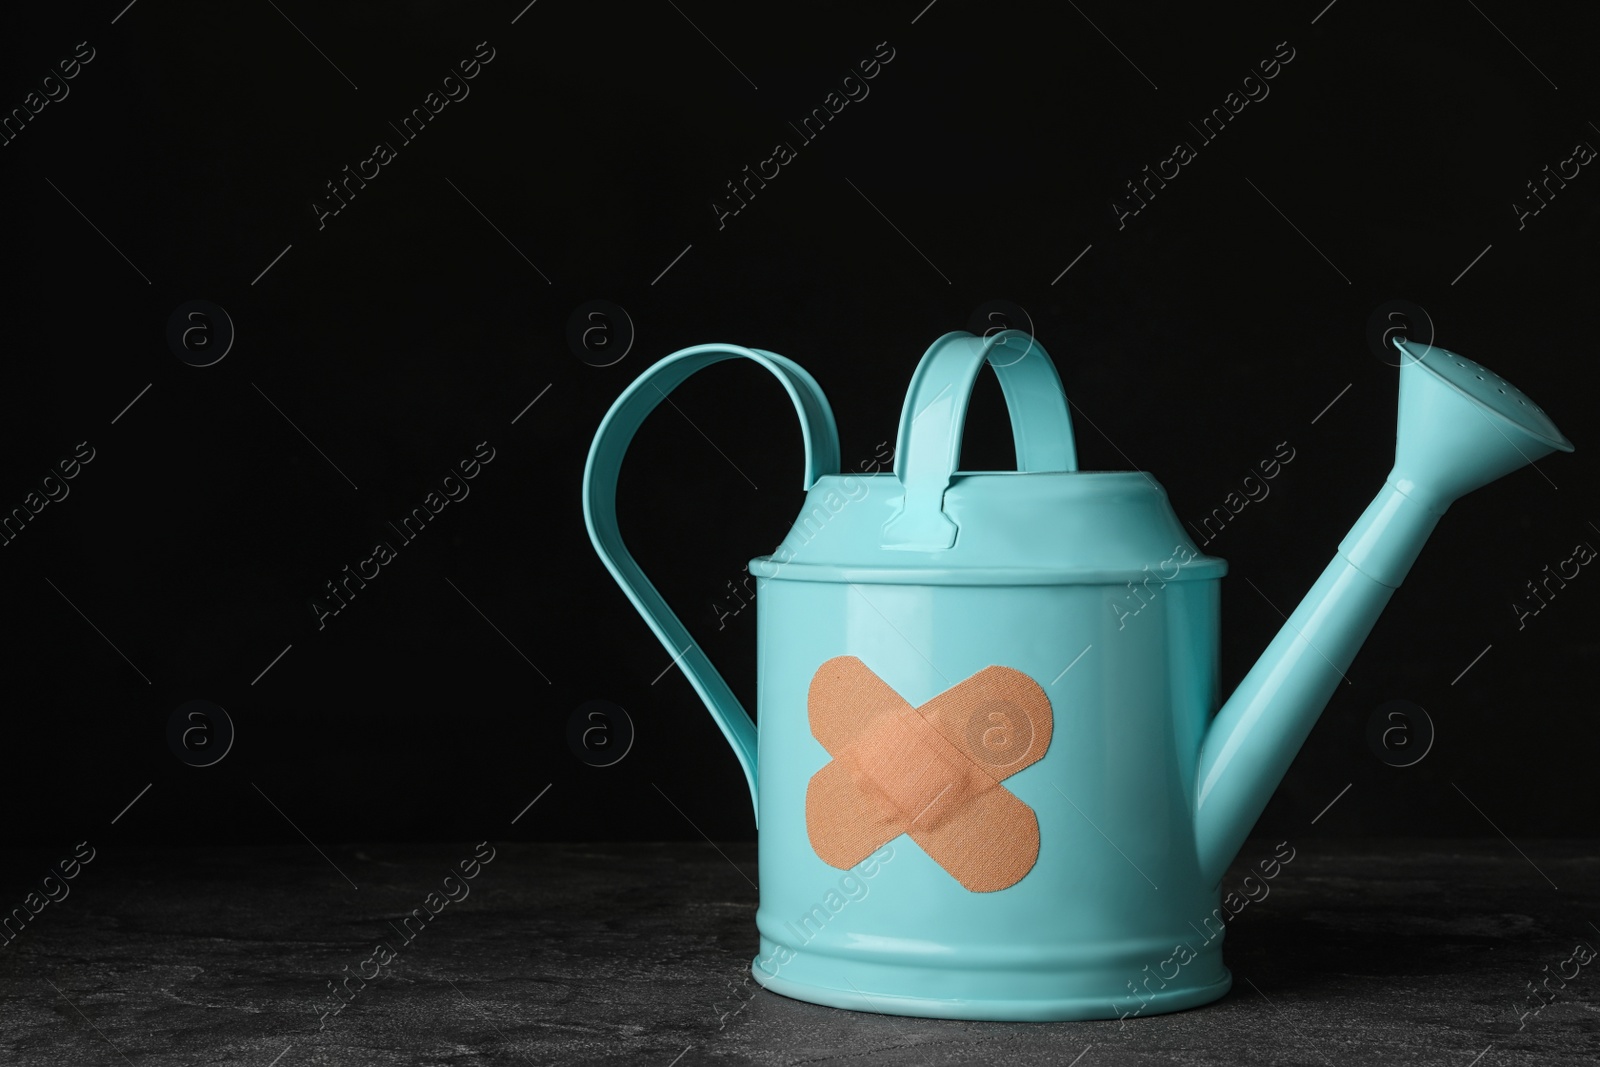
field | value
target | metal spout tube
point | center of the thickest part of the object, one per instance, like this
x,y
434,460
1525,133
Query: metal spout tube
x,y
1256,735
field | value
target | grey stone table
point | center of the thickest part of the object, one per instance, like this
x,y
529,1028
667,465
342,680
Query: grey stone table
x,y
1380,952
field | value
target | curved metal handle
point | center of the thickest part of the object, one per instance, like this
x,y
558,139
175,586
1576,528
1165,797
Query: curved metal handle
x,y
600,473
929,444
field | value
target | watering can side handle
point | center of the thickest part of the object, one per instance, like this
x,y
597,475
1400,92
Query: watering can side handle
x,y
928,445
600,474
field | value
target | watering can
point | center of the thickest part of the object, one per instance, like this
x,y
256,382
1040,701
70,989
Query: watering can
x,y
992,774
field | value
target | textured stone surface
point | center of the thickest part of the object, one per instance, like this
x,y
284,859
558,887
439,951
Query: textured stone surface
x,y
1391,952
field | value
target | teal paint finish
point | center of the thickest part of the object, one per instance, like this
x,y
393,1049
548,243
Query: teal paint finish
x,y
1087,582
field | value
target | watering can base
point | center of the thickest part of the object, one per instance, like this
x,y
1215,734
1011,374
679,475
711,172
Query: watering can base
x,y
863,993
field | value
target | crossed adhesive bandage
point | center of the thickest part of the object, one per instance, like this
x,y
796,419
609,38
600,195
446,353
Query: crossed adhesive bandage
x,y
932,772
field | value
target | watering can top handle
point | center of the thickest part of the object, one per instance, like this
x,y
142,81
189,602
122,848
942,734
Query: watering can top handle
x,y
928,446
600,473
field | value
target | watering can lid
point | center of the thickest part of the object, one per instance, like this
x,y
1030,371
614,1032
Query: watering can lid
x,y
1011,528
1044,523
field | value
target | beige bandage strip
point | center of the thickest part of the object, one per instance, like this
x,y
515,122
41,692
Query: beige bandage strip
x,y
932,772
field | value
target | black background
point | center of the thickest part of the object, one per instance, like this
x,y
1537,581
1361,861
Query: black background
x,y
1192,340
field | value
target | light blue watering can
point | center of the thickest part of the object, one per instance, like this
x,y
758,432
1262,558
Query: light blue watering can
x,y
993,775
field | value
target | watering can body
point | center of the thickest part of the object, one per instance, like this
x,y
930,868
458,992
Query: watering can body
x,y
985,705
1127,660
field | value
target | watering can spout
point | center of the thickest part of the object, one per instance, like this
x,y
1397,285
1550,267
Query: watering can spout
x,y
1460,427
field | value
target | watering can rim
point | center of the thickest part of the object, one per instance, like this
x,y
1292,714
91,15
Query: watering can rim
x,y
1201,568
